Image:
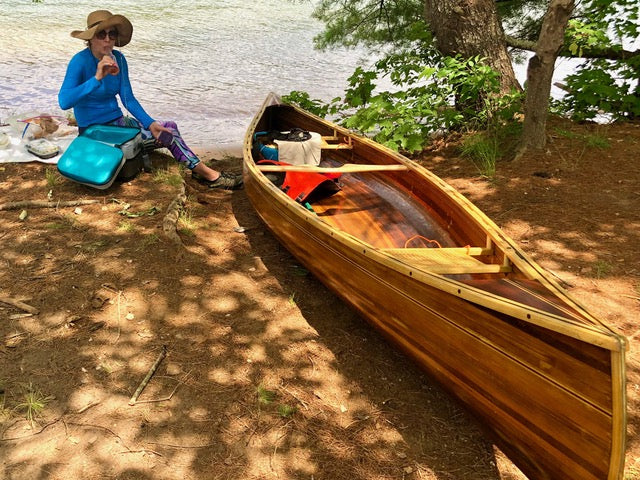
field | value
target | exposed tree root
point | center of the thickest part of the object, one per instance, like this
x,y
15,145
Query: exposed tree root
x,y
170,221
45,204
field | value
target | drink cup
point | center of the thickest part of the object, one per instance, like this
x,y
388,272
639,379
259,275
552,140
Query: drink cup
x,y
114,69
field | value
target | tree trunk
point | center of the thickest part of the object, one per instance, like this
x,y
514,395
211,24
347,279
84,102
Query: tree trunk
x,y
540,73
470,28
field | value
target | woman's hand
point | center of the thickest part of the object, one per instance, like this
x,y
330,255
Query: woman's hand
x,y
107,66
156,129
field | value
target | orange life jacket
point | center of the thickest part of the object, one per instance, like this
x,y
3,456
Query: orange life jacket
x,y
300,185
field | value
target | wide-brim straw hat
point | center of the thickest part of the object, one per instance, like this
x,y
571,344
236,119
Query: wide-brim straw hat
x,y
102,20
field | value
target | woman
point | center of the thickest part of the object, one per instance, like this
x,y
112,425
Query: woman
x,y
98,73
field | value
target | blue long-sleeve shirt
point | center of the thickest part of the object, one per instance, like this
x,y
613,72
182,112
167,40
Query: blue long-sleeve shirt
x,y
94,101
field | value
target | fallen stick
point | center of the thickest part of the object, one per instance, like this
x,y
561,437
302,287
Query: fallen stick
x,y
20,305
87,407
631,296
144,450
45,204
169,445
13,439
158,400
100,427
152,370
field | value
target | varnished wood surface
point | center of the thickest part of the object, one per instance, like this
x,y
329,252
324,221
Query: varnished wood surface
x,y
345,168
544,376
377,218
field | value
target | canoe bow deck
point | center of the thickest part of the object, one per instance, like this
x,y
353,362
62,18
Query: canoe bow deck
x,y
544,375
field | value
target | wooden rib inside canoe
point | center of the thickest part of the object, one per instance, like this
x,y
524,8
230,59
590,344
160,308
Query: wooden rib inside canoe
x,y
424,266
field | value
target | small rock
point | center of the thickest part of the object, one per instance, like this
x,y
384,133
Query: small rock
x,y
14,341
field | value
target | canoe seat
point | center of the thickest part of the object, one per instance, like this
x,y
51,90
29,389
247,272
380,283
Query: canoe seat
x,y
333,143
444,261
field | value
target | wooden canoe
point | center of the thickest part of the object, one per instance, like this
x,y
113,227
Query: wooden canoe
x,y
543,375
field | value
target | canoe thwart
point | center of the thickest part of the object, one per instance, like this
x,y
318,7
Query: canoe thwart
x,y
447,261
334,143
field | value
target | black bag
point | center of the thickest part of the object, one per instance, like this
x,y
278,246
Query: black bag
x,y
293,135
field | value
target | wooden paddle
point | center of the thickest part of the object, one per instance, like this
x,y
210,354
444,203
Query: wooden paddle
x,y
346,168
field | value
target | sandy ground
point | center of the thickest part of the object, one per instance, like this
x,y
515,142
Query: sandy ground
x,y
267,374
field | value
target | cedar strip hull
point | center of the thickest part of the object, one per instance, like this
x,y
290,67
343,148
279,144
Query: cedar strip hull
x,y
551,396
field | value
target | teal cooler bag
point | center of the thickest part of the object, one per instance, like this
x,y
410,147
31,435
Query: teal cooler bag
x,y
97,156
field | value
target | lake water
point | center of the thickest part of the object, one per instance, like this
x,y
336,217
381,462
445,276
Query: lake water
x,y
206,64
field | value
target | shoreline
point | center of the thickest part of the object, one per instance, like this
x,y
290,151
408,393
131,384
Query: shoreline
x,y
219,152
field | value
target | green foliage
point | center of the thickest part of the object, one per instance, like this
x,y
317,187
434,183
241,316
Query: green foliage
x,y
265,397
619,18
286,411
33,403
126,226
483,151
606,83
522,19
149,240
52,177
367,22
596,141
292,299
602,269
429,95
126,212
487,147
315,106
589,140
595,91
187,223
581,36
268,397
165,176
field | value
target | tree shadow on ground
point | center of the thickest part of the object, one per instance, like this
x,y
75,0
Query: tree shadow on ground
x,y
266,373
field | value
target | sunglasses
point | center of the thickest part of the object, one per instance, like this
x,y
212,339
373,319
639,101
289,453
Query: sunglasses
x,y
101,35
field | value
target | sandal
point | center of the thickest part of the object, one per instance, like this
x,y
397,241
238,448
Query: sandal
x,y
226,181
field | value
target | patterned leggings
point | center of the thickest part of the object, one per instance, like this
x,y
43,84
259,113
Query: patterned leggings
x,y
178,148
